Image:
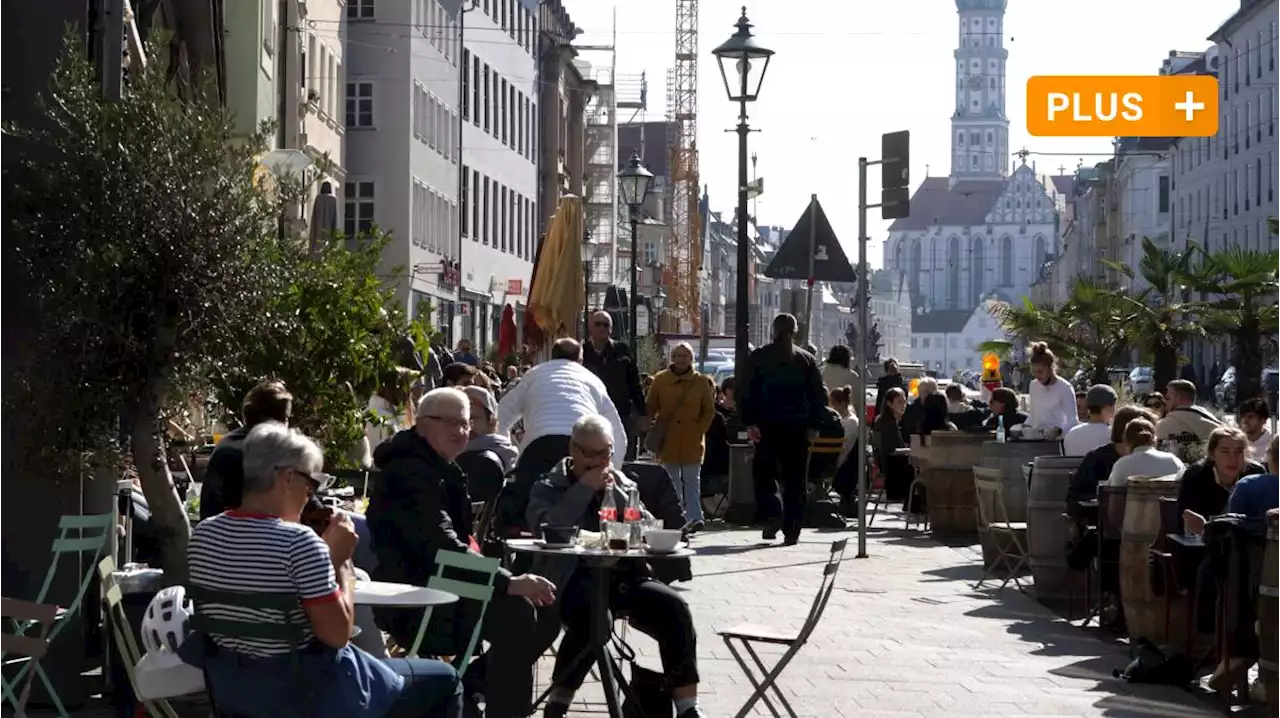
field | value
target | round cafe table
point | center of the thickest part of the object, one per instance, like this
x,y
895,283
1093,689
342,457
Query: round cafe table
x,y
600,562
403,595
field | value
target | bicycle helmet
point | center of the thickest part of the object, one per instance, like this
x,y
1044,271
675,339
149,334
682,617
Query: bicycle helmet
x,y
165,625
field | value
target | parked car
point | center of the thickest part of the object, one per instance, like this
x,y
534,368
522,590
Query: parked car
x,y
1225,392
1140,380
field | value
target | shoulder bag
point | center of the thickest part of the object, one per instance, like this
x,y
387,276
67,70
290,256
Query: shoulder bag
x,y
657,436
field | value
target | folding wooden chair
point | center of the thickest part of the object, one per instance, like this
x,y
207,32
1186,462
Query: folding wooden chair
x,y
122,633
1008,537
748,634
25,647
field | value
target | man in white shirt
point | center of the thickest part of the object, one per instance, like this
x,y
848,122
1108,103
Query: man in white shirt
x,y
548,401
1252,416
1182,417
1083,438
1052,401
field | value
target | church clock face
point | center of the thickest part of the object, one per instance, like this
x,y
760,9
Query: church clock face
x,y
975,82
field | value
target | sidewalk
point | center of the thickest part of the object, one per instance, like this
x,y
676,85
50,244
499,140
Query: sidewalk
x,y
904,635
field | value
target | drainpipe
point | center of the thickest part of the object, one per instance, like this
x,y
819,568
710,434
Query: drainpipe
x,y
463,69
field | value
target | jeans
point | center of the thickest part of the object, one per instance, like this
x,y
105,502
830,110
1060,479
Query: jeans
x,y
431,689
655,609
687,479
780,459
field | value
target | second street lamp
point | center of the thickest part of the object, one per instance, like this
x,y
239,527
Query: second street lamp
x,y
634,182
748,61
590,248
659,302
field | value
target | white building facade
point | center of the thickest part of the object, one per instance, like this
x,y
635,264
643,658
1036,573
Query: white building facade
x,y
891,309
983,230
1142,190
948,340
402,148
500,162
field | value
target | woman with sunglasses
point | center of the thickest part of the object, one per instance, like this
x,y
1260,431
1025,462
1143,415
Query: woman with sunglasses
x,y
263,547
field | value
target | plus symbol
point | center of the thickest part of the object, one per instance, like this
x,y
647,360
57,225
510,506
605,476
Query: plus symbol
x,y
1189,106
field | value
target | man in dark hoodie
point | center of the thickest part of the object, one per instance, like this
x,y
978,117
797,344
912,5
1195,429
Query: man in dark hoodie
x,y
420,506
891,379
782,399
223,484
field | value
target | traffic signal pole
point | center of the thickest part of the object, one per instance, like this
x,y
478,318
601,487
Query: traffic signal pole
x,y
895,158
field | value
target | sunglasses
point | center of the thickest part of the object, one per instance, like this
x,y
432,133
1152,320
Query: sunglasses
x,y
318,481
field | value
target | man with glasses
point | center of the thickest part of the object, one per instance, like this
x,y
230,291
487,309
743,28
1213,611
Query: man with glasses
x,y
419,507
614,363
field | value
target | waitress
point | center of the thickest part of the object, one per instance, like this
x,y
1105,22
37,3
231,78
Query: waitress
x,y
1052,400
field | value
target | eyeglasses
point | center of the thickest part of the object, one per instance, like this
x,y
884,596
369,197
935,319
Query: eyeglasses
x,y
453,421
316,482
604,453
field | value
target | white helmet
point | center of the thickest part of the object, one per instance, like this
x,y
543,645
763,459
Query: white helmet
x,y
165,625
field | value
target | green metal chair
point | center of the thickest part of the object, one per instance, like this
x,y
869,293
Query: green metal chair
x,y
288,630
483,568
77,535
122,632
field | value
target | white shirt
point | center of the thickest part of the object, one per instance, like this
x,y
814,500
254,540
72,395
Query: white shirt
x,y
389,422
552,397
1145,461
1257,449
850,424
1083,438
1052,406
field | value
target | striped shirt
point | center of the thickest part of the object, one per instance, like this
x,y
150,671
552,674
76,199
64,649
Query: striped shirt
x,y
256,553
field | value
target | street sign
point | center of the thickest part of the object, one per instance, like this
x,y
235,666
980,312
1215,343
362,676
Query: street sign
x,y
895,175
830,264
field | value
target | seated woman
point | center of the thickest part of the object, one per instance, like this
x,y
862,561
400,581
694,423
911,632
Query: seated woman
x,y
1143,459
1004,404
262,547
1207,484
846,479
571,495
894,467
1253,496
484,428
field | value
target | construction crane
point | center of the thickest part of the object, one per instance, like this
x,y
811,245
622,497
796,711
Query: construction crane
x,y
683,260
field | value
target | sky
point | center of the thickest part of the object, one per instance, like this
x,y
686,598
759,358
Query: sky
x,y
847,71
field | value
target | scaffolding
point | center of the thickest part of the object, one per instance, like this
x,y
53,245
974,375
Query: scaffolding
x,y
614,94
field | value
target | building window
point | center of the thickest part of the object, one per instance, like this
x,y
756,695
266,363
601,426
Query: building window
x,y
504,108
487,103
360,104
269,26
476,191
484,215
466,85
1163,194
358,201
501,215
475,90
1006,262
466,199
357,9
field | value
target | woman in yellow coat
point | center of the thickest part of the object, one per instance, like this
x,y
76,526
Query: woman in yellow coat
x,y
682,402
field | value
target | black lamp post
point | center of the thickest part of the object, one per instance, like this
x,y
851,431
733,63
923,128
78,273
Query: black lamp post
x,y
748,60
590,248
634,182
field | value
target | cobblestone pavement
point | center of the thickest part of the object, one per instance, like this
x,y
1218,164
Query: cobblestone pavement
x,y
904,635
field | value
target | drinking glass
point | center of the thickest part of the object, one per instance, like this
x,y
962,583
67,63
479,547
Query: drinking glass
x,y
618,536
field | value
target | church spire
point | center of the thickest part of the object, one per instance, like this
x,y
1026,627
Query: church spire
x,y
979,126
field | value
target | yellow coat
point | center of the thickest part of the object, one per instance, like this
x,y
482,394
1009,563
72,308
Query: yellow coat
x,y
686,426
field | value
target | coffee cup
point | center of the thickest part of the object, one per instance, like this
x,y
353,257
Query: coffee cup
x,y
663,540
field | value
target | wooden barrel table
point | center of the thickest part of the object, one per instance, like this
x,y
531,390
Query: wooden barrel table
x,y
1268,598
1009,459
948,479
1143,609
1047,532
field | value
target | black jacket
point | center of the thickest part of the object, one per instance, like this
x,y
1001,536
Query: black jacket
x,y
884,384
223,485
419,506
1095,469
1199,490
617,369
782,386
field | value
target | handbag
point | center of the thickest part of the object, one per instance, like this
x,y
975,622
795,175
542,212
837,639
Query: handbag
x,y
657,436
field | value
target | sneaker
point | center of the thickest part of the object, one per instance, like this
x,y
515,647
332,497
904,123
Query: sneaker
x,y
694,527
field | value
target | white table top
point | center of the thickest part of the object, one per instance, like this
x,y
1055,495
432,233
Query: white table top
x,y
536,546
382,593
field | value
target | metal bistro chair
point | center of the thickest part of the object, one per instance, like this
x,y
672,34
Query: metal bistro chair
x,y
830,450
24,647
1008,537
1111,506
480,591
748,634
122,633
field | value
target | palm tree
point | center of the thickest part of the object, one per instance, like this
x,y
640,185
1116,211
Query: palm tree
x,y
1243,285
1091,327
1160,321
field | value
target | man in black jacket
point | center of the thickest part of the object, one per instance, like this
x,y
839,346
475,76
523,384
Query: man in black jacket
x,y
419,507
223,484
782,399
613,363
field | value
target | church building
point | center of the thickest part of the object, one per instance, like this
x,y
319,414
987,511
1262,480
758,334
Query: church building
x,y
986,230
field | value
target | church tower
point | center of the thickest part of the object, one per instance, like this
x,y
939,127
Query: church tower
x,y
980,127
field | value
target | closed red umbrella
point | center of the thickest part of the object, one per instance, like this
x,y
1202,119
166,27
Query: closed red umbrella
x,y
507,331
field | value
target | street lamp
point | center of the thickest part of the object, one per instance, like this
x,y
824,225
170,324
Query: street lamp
x,y
590,250
659,301
748,60
634,182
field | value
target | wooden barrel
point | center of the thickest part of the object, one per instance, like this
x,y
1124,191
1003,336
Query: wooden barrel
x,y
1009,458
948,479
1047,530
1268,598
1143,609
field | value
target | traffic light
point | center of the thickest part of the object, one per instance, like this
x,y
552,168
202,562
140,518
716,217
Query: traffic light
x,y
895,174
